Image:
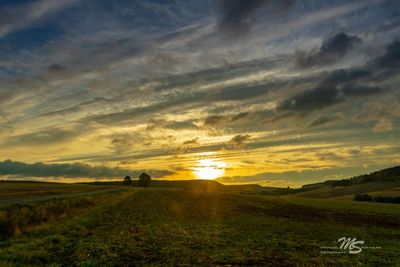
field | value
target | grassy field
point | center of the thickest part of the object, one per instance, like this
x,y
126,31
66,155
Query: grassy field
x,y
15,191
176,227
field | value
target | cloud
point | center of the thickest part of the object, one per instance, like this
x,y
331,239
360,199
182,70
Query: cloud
x,y
76,170
238,16
232,119
239,140
192,142
121,144
391,58
18,17
316,98
45,137
189,146
360,90
325,119
240,92
335,88
331,50
383,125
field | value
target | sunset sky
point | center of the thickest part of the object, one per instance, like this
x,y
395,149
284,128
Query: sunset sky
x,y
280,93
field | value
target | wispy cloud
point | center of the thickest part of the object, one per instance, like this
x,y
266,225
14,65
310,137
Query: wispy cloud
x,y
18,17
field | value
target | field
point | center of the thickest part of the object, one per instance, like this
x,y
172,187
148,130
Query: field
x,y
180,227
20,191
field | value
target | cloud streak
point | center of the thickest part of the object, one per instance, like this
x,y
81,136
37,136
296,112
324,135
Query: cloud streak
x,y
18,17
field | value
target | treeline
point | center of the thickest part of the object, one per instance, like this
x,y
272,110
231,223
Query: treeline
x,y
366,197
390,174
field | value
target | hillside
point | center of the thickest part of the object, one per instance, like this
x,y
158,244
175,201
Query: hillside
x,y
385,182
389,174
385,188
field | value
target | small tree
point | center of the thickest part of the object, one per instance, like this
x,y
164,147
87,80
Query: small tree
x,y
144,180
127,180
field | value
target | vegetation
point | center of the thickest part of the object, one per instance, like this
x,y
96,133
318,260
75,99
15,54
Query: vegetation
x,y
173,227
25,217
363,197
127,180
144,180
366,197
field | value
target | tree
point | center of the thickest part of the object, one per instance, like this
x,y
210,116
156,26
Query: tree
x,y
127,180
144,180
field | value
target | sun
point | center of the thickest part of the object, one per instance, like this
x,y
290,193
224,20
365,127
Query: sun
x,y
209,169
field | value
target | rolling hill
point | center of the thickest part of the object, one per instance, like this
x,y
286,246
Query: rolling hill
x,y
385,182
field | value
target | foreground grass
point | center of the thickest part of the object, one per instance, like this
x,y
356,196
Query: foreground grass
x,y
176,227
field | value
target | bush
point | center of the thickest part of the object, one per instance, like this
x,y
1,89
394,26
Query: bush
x,y
127,180
387,199
144,180
366,197
363,197
6,226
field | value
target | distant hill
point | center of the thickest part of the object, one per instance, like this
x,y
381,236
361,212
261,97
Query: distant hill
x,y
380,183
193,185
385,175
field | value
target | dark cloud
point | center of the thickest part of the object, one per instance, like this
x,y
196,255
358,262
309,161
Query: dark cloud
x,y
391,57
5,17
58,70
239,15
331,50
341,76
325,119
121,144
316,98
175,125
76,170
239,118
45,137
337,87
359,90
214,119
239,140
325,96
191,142
238,93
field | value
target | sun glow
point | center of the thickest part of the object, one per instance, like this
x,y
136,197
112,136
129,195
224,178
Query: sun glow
x,y
209,169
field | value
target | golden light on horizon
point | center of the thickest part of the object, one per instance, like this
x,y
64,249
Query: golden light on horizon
x,y
209,169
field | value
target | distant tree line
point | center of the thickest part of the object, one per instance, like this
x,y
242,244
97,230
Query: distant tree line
x,y
366,197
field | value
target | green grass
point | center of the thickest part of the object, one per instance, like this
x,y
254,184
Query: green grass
x,y
176,227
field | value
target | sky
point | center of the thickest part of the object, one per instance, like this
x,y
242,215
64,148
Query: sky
x,y
279,93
